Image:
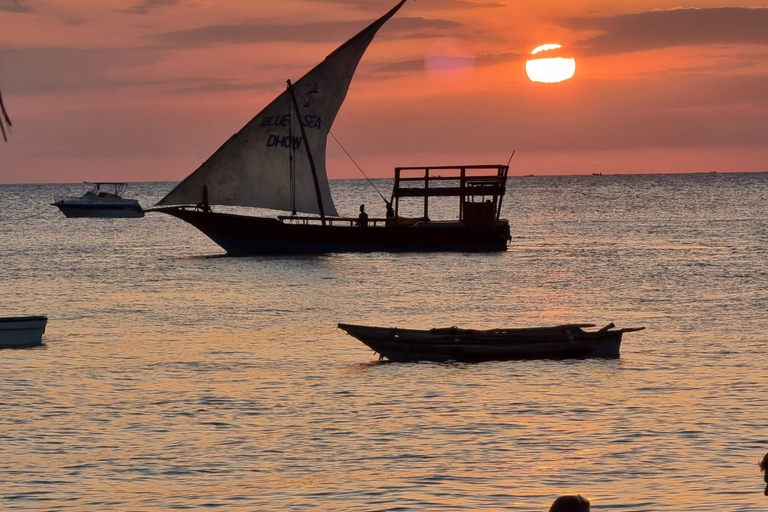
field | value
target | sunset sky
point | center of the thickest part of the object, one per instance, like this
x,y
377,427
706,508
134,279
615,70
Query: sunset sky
x,y
145,90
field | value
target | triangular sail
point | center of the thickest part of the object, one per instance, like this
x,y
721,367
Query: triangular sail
x,y
253,168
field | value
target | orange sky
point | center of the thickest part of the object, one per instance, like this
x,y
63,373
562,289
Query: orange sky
x,y
142,90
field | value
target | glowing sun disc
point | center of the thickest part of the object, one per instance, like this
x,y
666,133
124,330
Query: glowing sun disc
x,y
549,69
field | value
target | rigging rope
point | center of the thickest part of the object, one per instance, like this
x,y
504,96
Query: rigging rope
x,y
358,167
13,219
4,115
347,153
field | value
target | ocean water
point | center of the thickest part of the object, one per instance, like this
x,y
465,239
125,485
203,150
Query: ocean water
x,y
175,379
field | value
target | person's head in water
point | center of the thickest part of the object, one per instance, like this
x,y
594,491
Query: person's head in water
x,y
764,468
570,504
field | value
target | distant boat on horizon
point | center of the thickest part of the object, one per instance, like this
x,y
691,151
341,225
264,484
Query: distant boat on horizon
x,y
277,162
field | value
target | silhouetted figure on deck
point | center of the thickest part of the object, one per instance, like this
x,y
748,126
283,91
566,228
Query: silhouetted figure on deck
x,y
390,214
764,469
570,504
362,219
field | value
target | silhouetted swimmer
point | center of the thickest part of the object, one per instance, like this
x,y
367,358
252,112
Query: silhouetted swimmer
x,y
570,504
764,468
362,219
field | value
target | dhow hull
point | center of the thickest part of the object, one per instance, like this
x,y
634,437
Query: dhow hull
x,y
242,235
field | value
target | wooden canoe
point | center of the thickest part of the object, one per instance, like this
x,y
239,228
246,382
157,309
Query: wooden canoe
x,y
568,341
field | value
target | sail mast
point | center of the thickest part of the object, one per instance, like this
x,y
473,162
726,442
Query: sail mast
x,y
309,153
292,157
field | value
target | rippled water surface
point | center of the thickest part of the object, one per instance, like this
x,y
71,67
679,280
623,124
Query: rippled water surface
x,y
173,378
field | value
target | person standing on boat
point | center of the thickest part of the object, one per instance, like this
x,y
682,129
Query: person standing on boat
x,y
362,219
390,214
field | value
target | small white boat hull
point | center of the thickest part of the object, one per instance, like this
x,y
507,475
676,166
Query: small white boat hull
x,y
22,331
110,209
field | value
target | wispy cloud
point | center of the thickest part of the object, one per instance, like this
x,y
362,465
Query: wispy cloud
x,y
53,70
21,6
323,32
42,70
421,5
669,28
223,85
147,6
448,63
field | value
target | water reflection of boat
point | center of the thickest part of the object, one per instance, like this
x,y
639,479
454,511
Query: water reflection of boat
x,y
471,345
22,331
103,200
277,162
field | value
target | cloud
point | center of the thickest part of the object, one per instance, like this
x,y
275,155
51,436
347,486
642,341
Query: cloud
x,y
669,28
147,6
43,70
211,85
20,6
449,63
323,32
422,5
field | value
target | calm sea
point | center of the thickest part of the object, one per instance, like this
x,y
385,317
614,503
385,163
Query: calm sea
x,y
172,378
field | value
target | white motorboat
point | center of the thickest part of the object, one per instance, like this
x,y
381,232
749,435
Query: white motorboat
x,y
103,200
22,331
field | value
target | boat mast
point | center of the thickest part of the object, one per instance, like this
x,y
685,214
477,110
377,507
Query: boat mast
x,y
309,153
291,154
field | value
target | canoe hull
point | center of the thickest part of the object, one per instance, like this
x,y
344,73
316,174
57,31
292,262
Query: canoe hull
x,y
22,331
468,345
242,235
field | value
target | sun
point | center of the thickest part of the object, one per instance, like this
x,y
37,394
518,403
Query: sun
x,y
550,69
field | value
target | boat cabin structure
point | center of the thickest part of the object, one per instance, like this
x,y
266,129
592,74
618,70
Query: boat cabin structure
x,y
479,188
111,189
